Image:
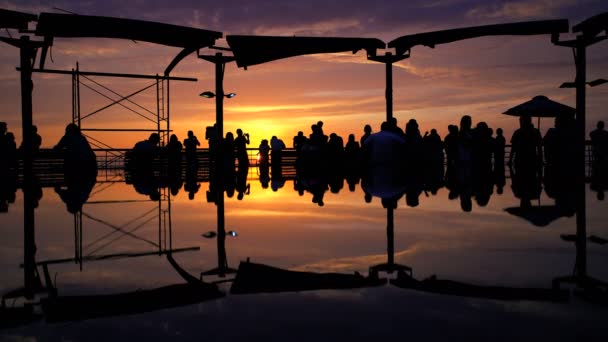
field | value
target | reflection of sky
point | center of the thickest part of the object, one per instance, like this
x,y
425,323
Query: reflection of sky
x,y
286,230
283,229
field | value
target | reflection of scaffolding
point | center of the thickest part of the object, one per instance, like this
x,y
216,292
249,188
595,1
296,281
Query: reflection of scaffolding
x,y
161,212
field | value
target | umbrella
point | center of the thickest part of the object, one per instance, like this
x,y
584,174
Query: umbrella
x,y
541,106
540,216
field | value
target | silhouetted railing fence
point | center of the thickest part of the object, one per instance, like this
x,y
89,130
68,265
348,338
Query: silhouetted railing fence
x,y
49,161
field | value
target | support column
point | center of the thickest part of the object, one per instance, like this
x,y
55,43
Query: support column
x,y
27,53
389,86
219,122
581,217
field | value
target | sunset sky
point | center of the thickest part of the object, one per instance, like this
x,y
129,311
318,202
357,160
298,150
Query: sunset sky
x,y
482,77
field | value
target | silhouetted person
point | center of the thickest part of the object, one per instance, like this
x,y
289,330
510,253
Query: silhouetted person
x,y
433,148
599,142
191,143
599,171
394,127
499,150
383,149
264,153
241,142
465,142
298,142
174,152
451,145
526,150
335,149
36,140
3,129
277,145
10,152
352,152
212,138
79,157
367,131
317,138
414,148
482,148
434,162
145,151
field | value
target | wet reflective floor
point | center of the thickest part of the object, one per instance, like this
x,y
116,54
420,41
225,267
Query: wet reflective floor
x,y
123,267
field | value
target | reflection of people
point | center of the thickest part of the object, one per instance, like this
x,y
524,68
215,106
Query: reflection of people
x,y
76,193
242,187
8,190
191,186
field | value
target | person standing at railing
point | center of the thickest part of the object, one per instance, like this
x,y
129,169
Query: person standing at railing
x,y
599,174
277,145
174,151
79,158
190,144
36,140
240,143
264,152
4,164
9,152
499,150
599,142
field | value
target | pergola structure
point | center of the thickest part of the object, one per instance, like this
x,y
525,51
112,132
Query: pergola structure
x,y
50,26
254,50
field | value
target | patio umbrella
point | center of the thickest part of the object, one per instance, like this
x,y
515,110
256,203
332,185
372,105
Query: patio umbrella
x,y
540,216
541,106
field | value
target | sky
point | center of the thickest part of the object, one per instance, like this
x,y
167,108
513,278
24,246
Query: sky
x,y
480,77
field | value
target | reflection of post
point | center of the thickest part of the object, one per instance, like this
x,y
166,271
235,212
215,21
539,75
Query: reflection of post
x,y
390,237
222,261
390,266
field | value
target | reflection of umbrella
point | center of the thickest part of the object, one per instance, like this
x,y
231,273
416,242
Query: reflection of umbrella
x,y
540,216
541,106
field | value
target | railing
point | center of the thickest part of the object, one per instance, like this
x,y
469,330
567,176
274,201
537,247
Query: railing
x,y
49,162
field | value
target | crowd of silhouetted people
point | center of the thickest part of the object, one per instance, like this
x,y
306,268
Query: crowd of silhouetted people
x,y
469,161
